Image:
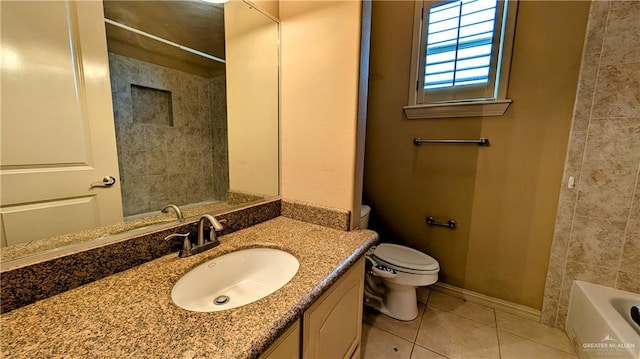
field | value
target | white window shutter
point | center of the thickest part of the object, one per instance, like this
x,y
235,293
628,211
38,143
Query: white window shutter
x,y
459,43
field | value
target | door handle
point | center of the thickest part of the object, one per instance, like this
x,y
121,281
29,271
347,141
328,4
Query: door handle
x,y
107,181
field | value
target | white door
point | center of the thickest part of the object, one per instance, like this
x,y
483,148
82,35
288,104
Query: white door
x,y
56,126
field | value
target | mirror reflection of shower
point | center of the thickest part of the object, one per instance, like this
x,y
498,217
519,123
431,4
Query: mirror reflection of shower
x,y
169,102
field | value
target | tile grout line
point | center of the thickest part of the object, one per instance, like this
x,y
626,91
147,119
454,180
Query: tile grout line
x,y
415,336
426,304
543,344
382,329
495,318
421,320
471,319
388,332
636,187
424,312
532,341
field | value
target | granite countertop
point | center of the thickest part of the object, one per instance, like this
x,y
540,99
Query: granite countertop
x,y
21,250
130,314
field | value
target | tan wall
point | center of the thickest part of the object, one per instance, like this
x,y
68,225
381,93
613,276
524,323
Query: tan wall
x,y
504,196
270,6
252,100
517,183
403,183
320,58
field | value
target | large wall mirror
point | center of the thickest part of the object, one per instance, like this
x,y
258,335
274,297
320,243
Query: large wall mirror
x,y
193,99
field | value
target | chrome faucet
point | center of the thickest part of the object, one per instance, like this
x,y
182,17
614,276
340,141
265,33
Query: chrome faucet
x,y
175,209
202,244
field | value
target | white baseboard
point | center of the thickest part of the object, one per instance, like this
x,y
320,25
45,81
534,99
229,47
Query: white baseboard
x,y
474,297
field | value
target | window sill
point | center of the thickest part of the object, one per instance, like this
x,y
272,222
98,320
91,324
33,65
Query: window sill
x,y
458,109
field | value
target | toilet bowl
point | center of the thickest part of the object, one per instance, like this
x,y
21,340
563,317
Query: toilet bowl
x,y
401,270
396,272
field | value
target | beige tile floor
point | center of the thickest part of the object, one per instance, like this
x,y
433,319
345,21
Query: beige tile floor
x,y
449,327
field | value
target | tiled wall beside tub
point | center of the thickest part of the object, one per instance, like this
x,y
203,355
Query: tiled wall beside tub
x,y
597,232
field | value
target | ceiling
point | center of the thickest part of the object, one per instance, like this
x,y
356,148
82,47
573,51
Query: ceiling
x,y
195,24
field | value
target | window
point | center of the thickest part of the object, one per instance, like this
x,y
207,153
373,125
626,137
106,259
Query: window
x,y
462,53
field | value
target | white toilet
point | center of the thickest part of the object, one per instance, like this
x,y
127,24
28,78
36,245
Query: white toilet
x,y
401,270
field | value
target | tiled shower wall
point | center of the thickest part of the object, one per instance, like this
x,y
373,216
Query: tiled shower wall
x,y
597,232
219,141
164,157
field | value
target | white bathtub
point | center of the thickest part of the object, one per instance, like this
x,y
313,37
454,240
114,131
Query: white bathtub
x,y
599,322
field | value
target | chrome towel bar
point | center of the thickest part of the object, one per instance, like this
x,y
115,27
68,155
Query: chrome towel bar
x,y
451,224
484,142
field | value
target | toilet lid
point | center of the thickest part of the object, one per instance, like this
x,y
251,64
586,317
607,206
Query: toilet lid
x,y
405,257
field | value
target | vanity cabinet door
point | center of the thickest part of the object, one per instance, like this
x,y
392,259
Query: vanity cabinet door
x,y
287,346
332,326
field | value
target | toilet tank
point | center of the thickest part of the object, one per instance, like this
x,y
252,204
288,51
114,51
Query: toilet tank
x,y
364,216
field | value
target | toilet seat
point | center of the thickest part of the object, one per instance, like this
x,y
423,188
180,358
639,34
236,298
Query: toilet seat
x,y
405,259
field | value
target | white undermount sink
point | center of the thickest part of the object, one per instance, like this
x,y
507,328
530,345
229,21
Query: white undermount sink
x,y
234,279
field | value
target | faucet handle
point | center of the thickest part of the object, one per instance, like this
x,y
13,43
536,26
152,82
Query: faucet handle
x,y
186,244
175,235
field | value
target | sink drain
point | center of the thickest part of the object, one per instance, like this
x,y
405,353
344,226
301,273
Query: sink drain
x,y
223,299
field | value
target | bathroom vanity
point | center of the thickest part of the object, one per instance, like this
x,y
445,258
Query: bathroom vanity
x,y
131,314
68,302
